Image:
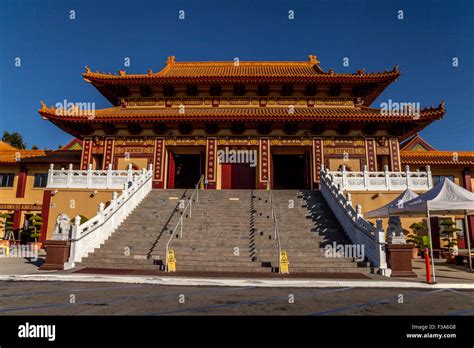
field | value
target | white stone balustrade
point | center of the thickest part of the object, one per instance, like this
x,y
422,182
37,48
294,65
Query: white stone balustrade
x,y
382,181
359,230
94,232
90,178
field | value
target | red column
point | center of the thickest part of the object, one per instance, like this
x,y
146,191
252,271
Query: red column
x,y
16,222
171,170
86,153
395,155
21,186
317,161
371,156
264,162
226,176
158,165
45,214
108,152
211,163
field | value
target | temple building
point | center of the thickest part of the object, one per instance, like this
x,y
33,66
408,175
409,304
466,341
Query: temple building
x,y
294,116
253,126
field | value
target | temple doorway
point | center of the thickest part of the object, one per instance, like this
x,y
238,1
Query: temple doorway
x,y
291,171
238,176
184,170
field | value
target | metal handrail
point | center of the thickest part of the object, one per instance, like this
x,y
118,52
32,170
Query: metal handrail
x,y
180,221
275,227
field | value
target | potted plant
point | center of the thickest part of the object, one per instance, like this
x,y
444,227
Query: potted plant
x,y
449,229
35,230
7,229
419,230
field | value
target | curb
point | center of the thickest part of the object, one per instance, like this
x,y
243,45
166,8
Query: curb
x,y
264,283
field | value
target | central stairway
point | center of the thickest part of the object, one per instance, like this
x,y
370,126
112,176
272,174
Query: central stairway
x,y
229,232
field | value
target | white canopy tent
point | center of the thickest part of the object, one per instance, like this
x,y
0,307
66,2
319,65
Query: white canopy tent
x,y
446,198
386,210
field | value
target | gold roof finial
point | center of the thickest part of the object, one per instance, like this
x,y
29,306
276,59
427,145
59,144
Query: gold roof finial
x,y
150,72
43,105
88,70
171,60
122,72
313,60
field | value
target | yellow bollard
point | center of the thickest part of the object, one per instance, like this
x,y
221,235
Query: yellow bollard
x,y
171,261
284,262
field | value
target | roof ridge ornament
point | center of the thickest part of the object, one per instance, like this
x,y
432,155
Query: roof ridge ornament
x,y
43,105
361,71
122,72
442,104
313,60
395,69
88,70
150,72
171,60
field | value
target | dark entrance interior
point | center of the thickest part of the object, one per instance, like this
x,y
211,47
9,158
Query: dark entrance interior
x,y
238,176
184,170
291,171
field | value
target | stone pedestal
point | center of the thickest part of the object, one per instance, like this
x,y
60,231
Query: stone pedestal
x,y
57,253
399,260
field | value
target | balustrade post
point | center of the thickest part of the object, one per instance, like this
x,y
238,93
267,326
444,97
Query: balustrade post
x,y
366,177
50,175
348,199
109,176
129,173
89,176
69,176
359,211
344,176
430,178
407,173
388,186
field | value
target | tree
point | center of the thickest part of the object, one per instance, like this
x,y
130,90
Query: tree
x,y
7,225
35,226
15,139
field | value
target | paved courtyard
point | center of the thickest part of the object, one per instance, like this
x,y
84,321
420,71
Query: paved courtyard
x,y
63,298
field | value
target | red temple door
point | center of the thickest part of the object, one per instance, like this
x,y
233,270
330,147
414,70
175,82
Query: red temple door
x,y
226,175
171,171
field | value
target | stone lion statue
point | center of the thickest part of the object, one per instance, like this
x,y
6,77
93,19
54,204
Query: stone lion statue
x,y
62,228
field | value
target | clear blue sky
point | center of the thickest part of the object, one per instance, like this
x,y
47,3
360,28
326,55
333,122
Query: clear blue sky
x,y
54,49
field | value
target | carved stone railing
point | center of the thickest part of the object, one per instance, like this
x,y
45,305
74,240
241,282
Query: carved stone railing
x,y
359,230
383,181
91,234
90,178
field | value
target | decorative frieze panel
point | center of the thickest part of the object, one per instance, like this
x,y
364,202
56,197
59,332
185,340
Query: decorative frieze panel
x,y
238,142
291,141
186,141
